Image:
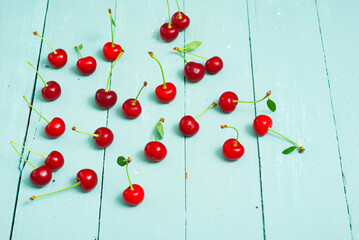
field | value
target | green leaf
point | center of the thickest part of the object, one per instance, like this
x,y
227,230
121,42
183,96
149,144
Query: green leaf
x,y
271,105
193,45
113,21
80,47
160,130
289,150
122,161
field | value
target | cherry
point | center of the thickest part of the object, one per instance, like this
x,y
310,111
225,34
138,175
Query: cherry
x,y
214,65
103,136
105,98
189,126
180,20
111,50
262,124
52,89
54,160
85,65
194,72
155,151
131,108
87,178
167,91
168,32
232,149
53,129
134,194
57,58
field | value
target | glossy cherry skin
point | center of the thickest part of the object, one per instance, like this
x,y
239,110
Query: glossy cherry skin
x,y
135,196
86,65
41,176
130,110
88,179
232,152
226,103
59,59
105,100
194,72
182,23
188,126
55,128
52,91
214,65
111,53
261,124
166,95
155,151
168,34
54,160
105,137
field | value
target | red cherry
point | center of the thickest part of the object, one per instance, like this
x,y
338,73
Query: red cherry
x,y
168,34
55,128
87,178
155,151
104,138
232,152
226,103
86,65
135,196
181,23
166,95
105,99
194,72
52,91
41,176
261,124
54,160
214,65
59,59
188,126
130,110
111,52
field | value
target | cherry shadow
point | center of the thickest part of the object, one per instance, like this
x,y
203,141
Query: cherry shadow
x,y
249,131
219,154
92,103
176,130
99,55
120,200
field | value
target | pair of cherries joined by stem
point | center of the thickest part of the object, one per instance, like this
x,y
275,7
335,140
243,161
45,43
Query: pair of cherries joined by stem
x,y
232,149
262,124
134,194
131,108
180,22
87,178
156,151
106,98
189,126
41,176
52,89
103,136
229,100
54,128
167,91
111,50
85,65
57,58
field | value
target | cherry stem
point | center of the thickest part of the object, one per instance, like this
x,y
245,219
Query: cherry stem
x,y
226,126
12,142
78,50
144,85
179,12
38,74
266,96
128,176
90,134
159,122
163,75
113,64
177,49
169,15
43,195
35,110
212,105
182,50
294,143
36,34
111,20
21,154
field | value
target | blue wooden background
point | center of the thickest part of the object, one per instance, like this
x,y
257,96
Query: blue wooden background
x,y
305,51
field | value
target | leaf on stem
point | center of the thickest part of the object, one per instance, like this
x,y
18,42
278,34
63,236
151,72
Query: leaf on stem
x,y
80,47
193,45
289,150
271,105
160,130
122,161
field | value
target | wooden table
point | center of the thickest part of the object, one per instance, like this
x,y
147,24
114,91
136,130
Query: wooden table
x,y
305,52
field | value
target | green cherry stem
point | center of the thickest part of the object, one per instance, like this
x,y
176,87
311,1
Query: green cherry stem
x,y
226,126
35,110
43,195
169,15
38,74
113,64
182,50
159,122
128,176
266,96
12,144
112,23
179,12
144,85
36,34
212,105
90,134
163,75
301,148
78,50
176,48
